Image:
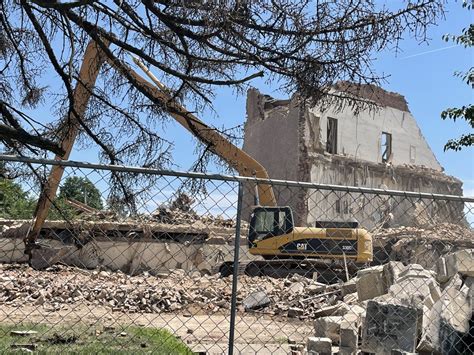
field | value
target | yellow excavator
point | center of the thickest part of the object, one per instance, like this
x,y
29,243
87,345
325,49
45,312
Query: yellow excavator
x,y
285,248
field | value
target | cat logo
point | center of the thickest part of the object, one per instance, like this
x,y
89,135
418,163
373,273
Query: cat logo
x,y
302,246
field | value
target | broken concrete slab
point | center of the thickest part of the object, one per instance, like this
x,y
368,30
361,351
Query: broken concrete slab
x,y
392,271
319,345
351,298
346,351
370,283
461,262
349,335
412,271
415,287
256,300
389,326
328,327
349,287
336,310
447,321
441,270
401,352
356,314
376,281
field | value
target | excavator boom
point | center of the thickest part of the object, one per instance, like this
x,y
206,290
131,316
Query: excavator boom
x,y
243,163
281,239
93,60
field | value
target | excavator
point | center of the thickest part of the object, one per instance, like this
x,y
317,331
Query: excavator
x,y
284,247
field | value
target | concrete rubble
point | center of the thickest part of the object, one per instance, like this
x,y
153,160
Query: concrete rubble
x,y
320,346
405,310
423,245
385,308
63,286
391,307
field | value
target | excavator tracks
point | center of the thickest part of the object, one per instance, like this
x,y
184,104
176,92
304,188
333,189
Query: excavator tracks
x,y
325,271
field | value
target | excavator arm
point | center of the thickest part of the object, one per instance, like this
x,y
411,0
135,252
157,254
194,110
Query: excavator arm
x,y
243,163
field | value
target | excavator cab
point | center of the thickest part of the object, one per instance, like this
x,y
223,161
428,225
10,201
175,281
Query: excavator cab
x,y
268,222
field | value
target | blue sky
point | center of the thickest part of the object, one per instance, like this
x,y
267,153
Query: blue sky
x,y
423,73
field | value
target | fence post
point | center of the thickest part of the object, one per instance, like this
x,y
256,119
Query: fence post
x,y
233,307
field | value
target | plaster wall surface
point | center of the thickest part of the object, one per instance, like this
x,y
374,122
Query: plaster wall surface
x,y
272,138
372,210
360,136
135,257
288,137
271,135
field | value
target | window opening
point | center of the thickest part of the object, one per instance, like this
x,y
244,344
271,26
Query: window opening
x,y
412,154
331,142
386,145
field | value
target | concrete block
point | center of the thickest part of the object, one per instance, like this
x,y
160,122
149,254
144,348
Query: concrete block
x,y
346,351
446,322
389,326
392,271
469,285
319,345
337,310
370,283
461,262
413,271
441,270
351,298
401,352
349,335
415,287
256,300
355,311
328,327
349,287
455,282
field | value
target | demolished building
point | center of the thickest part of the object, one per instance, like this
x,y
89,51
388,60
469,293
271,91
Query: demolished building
x,y
376,148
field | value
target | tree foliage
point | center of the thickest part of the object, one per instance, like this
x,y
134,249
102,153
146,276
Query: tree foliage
x,y
465,112
193,46
14,202
81,189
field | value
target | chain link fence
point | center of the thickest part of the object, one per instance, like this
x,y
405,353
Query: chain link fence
x,y
150,265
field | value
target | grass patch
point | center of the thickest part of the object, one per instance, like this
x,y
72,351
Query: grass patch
x,y
94,340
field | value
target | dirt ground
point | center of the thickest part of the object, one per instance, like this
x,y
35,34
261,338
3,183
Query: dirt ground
x,y
254,333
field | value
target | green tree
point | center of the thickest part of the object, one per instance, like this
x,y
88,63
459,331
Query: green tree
x,y
466,112
14,202
82,190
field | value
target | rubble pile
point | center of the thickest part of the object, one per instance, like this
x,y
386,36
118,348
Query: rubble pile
x,y
177,216
180,211
63,286
424,246
406,309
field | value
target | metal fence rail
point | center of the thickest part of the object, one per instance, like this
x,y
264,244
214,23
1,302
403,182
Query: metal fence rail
x,y
170,262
